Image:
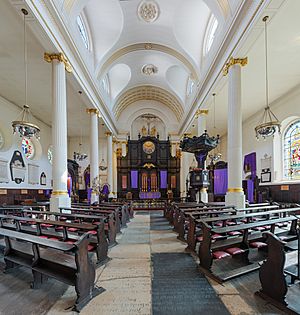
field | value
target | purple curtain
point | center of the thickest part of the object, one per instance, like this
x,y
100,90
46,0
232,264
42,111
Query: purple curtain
x,y
134,179
250,190
70,182
250,163
89,194
220,181
105,190
164,179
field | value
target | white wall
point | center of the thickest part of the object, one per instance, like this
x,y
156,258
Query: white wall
x,y
10,112
286,106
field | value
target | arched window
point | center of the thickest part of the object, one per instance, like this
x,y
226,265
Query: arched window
x,y
210,34
291,151
105,84
82,31
50,154
190,87
28,148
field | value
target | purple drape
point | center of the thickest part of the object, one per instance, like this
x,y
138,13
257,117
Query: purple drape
x,y
105,190
134,179
220,181
250,163
89,194
70,182
163,179
250,190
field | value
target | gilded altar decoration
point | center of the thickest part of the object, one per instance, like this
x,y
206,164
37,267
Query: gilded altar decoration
x,y
153,131
148,147
144,131
148,11
149,69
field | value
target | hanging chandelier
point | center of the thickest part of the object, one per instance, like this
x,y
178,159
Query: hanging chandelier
x,y
22,126
102,166
214,156
79,156
269,124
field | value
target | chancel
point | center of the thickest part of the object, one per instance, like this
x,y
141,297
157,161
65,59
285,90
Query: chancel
x,y
149,157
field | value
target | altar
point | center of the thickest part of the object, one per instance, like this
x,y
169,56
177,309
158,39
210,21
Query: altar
x,y
148,171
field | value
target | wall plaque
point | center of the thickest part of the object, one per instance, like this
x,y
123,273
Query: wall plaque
x,y
24,191
3,191
284,187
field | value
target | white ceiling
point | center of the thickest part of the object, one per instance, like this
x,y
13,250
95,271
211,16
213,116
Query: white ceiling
x,y
39,74
284,64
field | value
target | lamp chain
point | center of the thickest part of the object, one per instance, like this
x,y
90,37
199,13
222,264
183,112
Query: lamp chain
x,y
266,56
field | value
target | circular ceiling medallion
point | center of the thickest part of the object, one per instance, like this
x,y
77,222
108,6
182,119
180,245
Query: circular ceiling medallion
x,y
149,69
148,11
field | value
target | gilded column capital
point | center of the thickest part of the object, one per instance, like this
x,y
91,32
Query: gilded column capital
x,y
234,61
61,58
200,112
108,133
92,111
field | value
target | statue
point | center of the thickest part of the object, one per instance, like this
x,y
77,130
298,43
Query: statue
x,y
144,131
153,132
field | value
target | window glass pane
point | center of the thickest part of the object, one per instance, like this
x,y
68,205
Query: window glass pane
x,y
291,148
28,148
82,31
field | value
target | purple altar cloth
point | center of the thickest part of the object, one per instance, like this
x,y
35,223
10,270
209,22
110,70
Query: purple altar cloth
x,y
220,181
149,195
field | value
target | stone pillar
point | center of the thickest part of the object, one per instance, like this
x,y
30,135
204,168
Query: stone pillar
x,y
110,163
59,196
201,118
115,169
94,153
235,194
184,171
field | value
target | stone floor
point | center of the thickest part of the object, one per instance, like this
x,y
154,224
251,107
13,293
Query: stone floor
x,y
127,277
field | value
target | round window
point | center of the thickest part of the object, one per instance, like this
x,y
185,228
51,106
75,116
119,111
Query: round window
x,y
28,148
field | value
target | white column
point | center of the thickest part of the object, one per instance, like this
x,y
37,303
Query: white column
x,y
184,171
235,194
59,197
94,152
115,170
202,115
110,163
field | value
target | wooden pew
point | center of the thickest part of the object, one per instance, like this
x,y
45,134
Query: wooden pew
x,y
47,258
110,227
61,231
272,275
232,257
91,211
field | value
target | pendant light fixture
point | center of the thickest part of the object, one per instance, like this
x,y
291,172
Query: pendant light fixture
x,y
79,156
22,126
214,156
269,123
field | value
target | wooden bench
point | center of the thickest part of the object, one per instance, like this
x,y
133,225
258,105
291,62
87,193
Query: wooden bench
x,y
195,221
272,275
231,256
90,211
61,231
110,225
187,222
47,258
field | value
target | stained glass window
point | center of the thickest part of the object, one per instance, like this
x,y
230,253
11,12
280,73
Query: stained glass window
x,y
50,154
82,31
291,147
28,148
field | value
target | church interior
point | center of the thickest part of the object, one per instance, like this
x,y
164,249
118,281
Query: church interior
x,y
149,157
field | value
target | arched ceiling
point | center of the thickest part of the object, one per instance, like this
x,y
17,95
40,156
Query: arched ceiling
x,y
130,35
151,93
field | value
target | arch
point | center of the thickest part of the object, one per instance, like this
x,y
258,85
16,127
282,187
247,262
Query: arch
x,y
148,92
147,46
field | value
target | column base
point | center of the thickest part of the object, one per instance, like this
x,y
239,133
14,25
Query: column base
x,y
236,199
203,195
58,201
94,198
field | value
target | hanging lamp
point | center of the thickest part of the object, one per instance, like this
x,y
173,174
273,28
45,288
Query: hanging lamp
x,y
214,156
269,124
22,126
